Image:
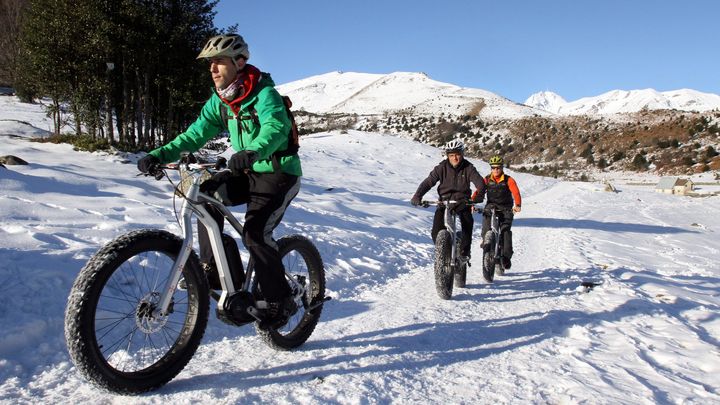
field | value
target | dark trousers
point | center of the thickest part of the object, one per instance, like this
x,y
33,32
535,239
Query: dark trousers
x,y
268,196
506,219
466,223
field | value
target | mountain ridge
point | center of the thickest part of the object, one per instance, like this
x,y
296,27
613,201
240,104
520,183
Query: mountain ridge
x,y
341,92
626,101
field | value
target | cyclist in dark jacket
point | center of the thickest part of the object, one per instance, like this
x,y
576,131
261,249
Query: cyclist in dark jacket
x,y
455,175
260,175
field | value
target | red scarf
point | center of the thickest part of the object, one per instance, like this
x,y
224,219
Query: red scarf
x,y
248,78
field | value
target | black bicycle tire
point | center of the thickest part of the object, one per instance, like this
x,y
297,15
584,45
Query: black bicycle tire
x,y
299,334
443,268
489,260
81,310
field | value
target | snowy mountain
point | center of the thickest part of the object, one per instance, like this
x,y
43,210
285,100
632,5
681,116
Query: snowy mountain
x,y
621,101
407,92
363,93
647,333
546,100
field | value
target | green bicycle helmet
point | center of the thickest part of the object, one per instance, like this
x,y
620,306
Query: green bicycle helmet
x,y
496,161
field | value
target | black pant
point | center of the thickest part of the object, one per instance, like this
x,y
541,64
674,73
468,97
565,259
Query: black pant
x,y
506,218
466,223
268,196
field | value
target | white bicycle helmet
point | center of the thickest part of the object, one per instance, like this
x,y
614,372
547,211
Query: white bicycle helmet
x,y
455,145
230,45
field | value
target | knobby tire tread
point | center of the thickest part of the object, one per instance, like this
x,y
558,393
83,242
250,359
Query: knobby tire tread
x,y
443,270
316,283
88,286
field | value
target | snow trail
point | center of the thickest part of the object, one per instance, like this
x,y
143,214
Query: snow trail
x,y
648,333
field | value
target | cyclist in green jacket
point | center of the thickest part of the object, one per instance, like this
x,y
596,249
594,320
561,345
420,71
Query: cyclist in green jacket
x,y
260,175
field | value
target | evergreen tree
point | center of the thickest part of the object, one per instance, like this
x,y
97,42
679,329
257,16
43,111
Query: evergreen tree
x,y
131,62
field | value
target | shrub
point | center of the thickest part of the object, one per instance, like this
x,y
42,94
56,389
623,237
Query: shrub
x,y
82,142
639,162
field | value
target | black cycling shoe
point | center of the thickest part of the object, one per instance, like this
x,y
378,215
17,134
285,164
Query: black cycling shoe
x,y
506,263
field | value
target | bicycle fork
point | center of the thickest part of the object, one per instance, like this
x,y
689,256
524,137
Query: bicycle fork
x,y
450,227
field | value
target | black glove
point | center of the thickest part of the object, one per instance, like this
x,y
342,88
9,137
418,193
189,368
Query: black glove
x,y
242,160
149,164
477,198
221,163
415,200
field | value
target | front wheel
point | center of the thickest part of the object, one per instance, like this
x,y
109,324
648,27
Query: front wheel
x,y
114,334
443,265
304,265
489,258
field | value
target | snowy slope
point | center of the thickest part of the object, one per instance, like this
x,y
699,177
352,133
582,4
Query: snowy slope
x,y
361,93
649,333
621,101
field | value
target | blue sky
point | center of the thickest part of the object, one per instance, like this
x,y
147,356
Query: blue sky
x,y
513,48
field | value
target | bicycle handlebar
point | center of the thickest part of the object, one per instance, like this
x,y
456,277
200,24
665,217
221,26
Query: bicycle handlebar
x,y
445,203
190,163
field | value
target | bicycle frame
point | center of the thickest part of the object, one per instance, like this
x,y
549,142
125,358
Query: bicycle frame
x,y
194,204
451,226
496,230
450,220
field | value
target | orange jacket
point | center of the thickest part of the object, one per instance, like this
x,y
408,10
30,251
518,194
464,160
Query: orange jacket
x,y
512,186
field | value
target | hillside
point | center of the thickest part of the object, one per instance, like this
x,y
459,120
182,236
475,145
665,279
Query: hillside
x,y
639,131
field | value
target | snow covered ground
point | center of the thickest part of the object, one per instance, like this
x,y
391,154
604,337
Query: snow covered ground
x,y
648,333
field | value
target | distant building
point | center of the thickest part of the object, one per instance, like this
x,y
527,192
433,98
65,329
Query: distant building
x,y
674,185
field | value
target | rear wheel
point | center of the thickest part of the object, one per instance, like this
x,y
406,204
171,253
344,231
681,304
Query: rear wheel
x,y
443,262
114,334
499,268
304,265
461,276
461,266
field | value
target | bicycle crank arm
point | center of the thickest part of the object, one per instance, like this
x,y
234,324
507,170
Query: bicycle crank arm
x,y
255,313
318,304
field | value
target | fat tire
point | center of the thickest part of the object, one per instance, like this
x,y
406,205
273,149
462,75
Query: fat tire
x,y
443,265
303,322
461,276
499,268
87,291
489,260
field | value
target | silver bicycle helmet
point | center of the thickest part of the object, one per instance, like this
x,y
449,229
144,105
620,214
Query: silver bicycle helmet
x,y
455,145
230,45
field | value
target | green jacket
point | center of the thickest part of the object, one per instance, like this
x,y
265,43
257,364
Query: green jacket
x,y
270,136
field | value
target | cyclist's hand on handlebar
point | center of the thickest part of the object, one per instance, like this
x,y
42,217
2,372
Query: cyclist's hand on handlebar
x,y
147,163
415,201
150,166
242,160
221,163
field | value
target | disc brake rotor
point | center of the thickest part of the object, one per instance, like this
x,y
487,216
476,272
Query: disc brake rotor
x,y
145,319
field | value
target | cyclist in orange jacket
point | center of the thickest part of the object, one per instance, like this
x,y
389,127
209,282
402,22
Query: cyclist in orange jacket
x,y
502,192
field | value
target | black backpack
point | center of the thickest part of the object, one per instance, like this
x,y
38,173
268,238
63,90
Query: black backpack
x,y
293,136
